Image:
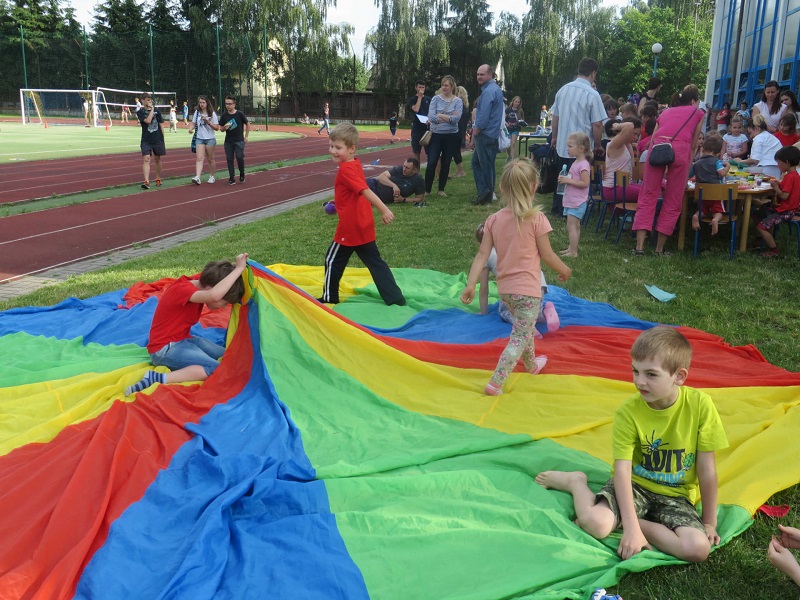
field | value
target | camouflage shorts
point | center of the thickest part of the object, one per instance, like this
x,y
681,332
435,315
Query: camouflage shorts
x,y
670,511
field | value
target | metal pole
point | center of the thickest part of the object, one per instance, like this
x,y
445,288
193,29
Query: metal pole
x,y
152,69
24,62
86,57
354,88
219,68
266,81
655,65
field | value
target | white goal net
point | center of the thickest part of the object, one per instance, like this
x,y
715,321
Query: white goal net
x,y
116,102
64,107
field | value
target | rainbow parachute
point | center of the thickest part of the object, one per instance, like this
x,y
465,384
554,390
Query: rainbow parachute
x,y
347,454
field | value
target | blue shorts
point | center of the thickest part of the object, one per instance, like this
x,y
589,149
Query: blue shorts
x,y
576,212
187,353
211,142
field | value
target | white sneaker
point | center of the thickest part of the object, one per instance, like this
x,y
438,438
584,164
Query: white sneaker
x,y
196,180
212,179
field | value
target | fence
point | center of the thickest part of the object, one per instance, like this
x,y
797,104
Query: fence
x,y
214,61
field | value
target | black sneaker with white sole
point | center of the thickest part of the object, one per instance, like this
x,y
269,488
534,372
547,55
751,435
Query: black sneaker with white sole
x,y
241,178
231,181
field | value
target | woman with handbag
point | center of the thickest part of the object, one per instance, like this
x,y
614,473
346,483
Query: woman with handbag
x,y
204,125
672,145
443,116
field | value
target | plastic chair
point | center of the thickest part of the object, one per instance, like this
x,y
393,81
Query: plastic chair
x,y
621,210
728,194
595,192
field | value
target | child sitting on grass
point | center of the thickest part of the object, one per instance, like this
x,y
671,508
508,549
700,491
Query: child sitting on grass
x,y
710,168
171,343
664,439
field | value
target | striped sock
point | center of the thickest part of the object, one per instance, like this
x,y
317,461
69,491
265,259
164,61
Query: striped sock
x,y
145,382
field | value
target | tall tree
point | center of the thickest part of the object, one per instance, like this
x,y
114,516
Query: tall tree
x,y
468,34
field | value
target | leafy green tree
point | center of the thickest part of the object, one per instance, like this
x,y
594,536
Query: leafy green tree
x,y
682,61
468,34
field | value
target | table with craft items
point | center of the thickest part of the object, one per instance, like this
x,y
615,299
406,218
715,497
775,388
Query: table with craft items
x,y
747,195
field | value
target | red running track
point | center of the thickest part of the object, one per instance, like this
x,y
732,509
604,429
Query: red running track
x,y
42,179
35,242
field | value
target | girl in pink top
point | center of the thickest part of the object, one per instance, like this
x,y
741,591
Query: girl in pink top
x,y
679,126
520,235
576,193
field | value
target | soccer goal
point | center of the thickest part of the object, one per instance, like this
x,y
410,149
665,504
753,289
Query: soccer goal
x,y
63,107
114,101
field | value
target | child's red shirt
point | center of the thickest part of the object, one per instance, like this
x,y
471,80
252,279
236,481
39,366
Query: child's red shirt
x,y
175,315
791,184
356,224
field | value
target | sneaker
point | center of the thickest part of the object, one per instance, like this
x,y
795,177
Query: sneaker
x,y
241,178
196,180
146,185
212,179
231,181
551,317
538,364
420,204
492,390
158,183
442,193
769,252
484,198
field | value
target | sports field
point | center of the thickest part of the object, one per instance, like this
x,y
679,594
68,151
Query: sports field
x,y
20,142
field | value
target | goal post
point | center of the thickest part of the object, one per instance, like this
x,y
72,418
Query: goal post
x,y
114,100
42,106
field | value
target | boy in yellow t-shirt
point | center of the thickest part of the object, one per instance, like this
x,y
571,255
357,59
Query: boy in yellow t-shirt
x,y
664,440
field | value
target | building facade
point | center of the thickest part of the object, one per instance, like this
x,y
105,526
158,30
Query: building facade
x,y
753,42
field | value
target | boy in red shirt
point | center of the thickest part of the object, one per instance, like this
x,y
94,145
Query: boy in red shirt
x,y
787,192
171,342
356,229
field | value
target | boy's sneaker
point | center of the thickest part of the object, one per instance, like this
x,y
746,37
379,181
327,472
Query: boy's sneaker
x,y
241,178
769,252
196,180
212,179
551,317
146,185
158,183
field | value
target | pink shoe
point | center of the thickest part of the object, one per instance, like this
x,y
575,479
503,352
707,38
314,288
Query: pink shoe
x,y
551,317
492,390
538,364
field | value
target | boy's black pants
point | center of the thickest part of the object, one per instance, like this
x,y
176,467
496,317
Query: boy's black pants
x,y
336,260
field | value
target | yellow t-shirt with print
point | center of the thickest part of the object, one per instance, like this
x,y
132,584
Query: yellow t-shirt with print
x,y
663,444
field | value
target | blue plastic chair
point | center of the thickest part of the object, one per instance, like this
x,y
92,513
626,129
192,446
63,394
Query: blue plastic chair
x,y
728,194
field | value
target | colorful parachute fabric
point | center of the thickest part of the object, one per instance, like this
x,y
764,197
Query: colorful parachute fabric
x,y
338,454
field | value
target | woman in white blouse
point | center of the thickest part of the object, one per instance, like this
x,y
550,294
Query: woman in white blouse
x,y
770,106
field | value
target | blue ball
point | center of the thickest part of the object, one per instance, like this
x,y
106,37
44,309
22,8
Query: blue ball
x,y
330,208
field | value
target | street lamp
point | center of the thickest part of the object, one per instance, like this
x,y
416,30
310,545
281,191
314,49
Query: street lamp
x,y
657,48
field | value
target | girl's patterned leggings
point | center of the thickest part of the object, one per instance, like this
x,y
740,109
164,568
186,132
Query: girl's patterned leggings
x,y
521,343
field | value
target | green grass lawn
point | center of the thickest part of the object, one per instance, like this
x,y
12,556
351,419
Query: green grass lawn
x,y
19,143
746,301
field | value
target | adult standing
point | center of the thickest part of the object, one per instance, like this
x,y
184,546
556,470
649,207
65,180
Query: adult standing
x,y
770,106
651,95
186,113
326,120
789,100
515,117
237,129
418,106
680,126
443,116
485,133
462,132
152,138
206,122
577,108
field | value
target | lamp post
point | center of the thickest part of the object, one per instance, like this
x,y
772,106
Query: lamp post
x,y
657,48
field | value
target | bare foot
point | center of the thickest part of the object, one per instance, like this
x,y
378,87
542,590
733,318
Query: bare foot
x,y
714,227
561,480
696,222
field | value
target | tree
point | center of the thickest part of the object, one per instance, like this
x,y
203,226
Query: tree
x,y
468,35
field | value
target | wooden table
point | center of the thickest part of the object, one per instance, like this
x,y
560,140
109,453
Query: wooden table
x,y
746,195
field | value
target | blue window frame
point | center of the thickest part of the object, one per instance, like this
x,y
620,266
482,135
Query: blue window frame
x,y
759,40
789,68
